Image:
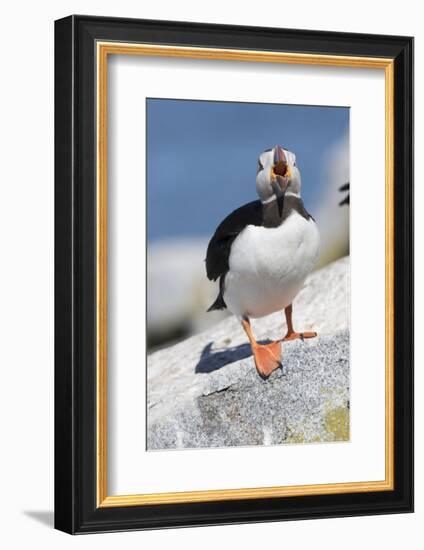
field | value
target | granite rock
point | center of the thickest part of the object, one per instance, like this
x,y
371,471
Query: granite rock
x,y
205,392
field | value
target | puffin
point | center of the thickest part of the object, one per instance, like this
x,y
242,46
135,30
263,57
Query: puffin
x,y
262,253
345,188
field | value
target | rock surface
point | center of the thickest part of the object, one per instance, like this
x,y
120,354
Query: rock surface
x,y
204,391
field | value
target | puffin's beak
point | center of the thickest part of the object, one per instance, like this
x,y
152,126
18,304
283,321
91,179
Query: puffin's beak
x,y
279,191
279,155
277,188
280,173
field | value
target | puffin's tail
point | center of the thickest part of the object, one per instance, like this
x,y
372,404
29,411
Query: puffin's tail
x,y
219,303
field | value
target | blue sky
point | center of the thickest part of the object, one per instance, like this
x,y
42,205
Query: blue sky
x,y
202,157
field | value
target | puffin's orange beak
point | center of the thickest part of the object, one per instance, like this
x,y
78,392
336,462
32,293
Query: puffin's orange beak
x,y
280,172
281,167
279,155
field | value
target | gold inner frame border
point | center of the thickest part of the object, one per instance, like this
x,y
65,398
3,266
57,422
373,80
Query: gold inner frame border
x,y
103,50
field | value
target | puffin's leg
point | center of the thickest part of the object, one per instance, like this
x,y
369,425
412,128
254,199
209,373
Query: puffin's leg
x,y
291,334
267,356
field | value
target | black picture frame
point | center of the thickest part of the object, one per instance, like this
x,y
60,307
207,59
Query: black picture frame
x,y
76,510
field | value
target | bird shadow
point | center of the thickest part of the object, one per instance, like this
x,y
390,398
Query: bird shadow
x,y
46,517
211,361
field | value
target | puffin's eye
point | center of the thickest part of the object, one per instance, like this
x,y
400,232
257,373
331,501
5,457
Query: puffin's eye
x,y
260,166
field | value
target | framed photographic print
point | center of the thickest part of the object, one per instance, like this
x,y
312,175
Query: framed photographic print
x,y
234,274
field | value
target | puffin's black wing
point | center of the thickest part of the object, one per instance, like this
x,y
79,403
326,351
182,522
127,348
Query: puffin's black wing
x,y
219,247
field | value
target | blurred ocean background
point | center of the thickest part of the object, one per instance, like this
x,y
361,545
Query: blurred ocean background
x,y
201,165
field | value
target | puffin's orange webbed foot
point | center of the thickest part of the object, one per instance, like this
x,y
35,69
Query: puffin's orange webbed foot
x,y
267,358
291,334
296,335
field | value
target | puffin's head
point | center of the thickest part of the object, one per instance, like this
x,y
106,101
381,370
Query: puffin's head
x,y
277,174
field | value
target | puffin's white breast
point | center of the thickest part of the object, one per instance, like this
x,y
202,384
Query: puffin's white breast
x,y
268,266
